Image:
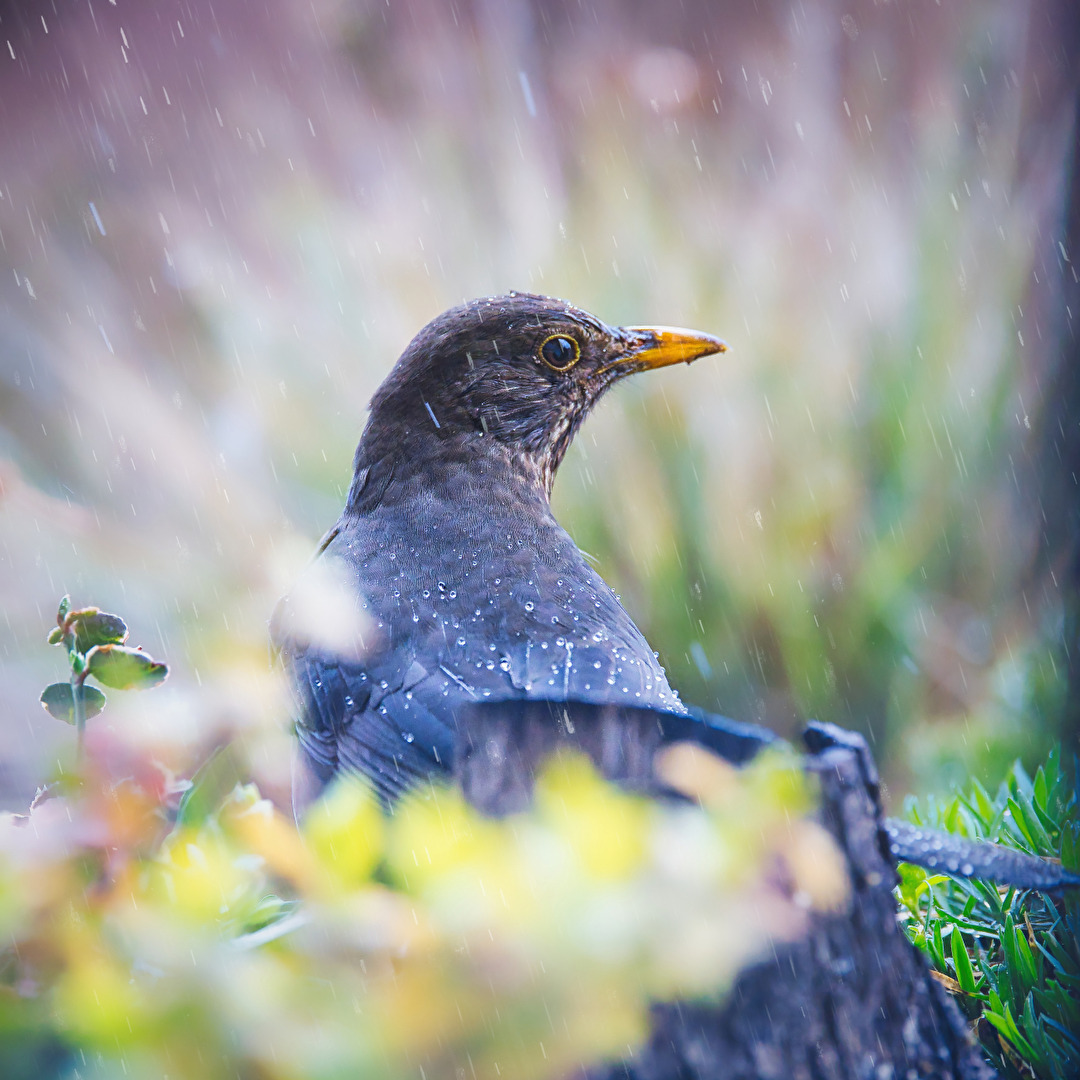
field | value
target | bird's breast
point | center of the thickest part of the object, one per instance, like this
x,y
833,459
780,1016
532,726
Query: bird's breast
x,y
493,604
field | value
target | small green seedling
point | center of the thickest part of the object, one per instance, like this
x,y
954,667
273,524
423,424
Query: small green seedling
x,y
95,646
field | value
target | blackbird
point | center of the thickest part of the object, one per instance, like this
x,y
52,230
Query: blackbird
x,y
447,581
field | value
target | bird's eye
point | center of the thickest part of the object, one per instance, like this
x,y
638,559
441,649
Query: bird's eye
x,y
560,353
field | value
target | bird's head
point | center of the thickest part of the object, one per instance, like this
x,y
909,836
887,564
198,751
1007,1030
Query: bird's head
x,y
521,371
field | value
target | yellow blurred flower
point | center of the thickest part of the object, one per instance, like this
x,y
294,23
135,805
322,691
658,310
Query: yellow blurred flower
x,y
201,877
256,826
607,829
96,999
437,832
345,829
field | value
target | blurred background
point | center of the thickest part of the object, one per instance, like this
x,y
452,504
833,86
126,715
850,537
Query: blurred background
x,y
220,224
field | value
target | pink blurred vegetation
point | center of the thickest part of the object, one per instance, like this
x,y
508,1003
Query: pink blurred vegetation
x,y
149,939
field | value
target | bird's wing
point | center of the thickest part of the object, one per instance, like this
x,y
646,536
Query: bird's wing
x,y
373,721
361,705
392,719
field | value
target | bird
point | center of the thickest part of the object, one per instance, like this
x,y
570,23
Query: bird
x,y
447,581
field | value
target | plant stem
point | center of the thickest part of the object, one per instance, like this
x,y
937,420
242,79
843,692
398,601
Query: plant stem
x,y
80,715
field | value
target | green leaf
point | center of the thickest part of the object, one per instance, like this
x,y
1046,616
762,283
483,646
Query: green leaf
x,y
63,609
1007,1026
1052,960
1040,788
100,628
59,701
1028,966
210,786
1025,818
82,613
962,963
913,811
1070,845
1015,828
992,899
1012,985
1033,1033
911,878
269,909
1068,1033
56,635
125,669
984,803
1020,964
1049,825
951,816
936,948
1018,780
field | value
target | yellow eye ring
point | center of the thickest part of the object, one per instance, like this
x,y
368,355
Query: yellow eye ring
x,y
559,352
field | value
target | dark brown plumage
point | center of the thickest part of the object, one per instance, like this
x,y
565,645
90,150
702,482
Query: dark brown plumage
x,y
447,580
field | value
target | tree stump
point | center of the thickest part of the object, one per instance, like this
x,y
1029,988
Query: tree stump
x,y
853,1000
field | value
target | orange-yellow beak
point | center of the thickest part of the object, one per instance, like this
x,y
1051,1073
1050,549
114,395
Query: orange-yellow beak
x,y
663,345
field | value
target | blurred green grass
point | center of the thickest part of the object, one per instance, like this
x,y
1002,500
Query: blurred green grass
x,y
835,519
1012,964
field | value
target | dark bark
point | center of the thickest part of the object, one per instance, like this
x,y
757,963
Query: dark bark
x,y
854,999
1060,460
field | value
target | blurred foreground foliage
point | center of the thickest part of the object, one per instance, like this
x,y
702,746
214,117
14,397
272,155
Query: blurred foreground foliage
x,y
153,928
1011,958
